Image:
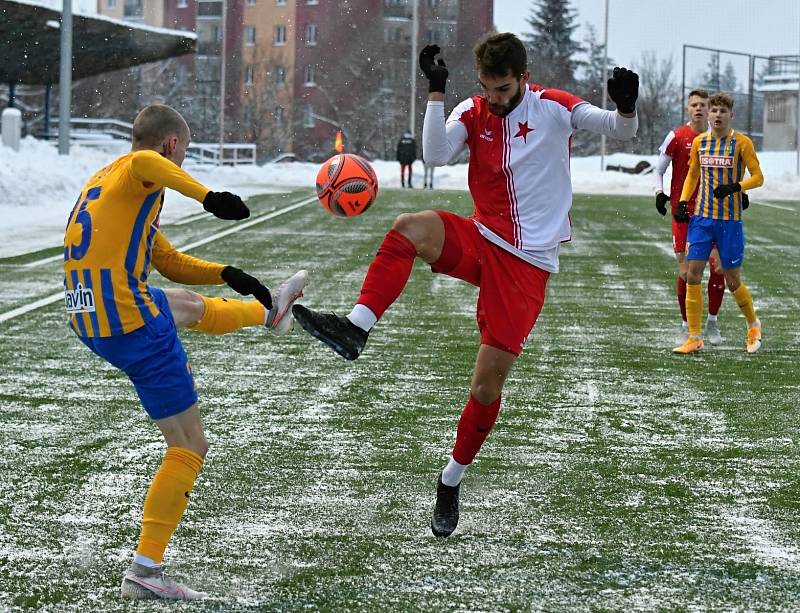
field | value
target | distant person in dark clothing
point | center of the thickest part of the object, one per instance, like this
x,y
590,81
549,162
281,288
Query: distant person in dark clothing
x,y
429,168
406,154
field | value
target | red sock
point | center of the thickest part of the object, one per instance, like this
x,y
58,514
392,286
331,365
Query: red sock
x,y
682,296
716,290
388,273
474,426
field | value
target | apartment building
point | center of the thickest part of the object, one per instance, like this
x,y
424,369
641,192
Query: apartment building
x,y
296,71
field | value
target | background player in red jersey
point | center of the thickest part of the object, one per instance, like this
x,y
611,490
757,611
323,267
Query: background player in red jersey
x,y
518,137
111,242
675,150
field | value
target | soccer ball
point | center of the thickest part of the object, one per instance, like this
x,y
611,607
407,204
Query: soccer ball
x,y
346,185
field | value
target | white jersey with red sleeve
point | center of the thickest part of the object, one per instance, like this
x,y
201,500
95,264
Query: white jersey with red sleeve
x,y
519,170
677,146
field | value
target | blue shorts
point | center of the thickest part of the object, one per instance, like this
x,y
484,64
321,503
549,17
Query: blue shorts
x,y
154,359
728,236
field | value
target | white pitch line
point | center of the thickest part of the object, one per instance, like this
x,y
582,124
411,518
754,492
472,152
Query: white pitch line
x,y
185,220
41,302
775,206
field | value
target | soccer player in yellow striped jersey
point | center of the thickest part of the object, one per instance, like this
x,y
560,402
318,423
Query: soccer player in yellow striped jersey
x,y
717,161
111,243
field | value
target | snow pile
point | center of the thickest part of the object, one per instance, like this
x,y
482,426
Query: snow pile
x,y
39,187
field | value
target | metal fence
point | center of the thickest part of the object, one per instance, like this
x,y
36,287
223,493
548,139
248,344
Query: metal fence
x,y
739,74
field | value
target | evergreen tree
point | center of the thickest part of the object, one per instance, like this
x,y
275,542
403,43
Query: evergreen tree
x,y
551,50
727,81
590,87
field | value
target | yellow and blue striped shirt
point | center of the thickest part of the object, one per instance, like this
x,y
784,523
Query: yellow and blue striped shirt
x,y
109,243
720,161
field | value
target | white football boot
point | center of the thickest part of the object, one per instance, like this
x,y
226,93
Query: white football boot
x,y
145,583
279,318
712,332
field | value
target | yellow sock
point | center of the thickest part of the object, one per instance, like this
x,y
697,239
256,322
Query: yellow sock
x,y
694,309
745,302
222,315
166,500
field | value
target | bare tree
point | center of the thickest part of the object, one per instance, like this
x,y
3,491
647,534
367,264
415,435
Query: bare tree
x,y
353,84
264,117
659,103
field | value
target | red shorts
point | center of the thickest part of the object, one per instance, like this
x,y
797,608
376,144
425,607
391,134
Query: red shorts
x,y
679,232
511,291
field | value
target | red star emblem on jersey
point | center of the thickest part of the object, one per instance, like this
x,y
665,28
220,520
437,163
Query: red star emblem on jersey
x,y
523,131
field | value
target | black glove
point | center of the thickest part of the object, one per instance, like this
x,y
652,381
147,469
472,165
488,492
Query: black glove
x,y
745,201
723,191
246,285
661,203
225,205
435,71
623,89
682,212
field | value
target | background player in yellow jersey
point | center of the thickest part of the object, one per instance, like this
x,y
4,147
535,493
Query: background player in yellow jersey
x,y
111,242
718,159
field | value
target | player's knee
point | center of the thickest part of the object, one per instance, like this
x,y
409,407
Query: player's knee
x,y
693,278
188,308
486,393
410,226
199,444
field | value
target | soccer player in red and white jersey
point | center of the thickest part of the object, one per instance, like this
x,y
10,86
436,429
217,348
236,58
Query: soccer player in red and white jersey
x,y
518,137
675,150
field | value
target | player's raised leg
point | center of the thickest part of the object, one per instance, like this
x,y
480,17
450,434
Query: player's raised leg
x,y
214,315
412,235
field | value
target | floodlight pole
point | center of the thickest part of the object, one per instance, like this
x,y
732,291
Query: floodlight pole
x,y
412,123
605,88
65,78
223,50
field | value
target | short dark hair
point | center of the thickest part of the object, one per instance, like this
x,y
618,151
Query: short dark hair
x,y
698,92
156,122
721,99
497,54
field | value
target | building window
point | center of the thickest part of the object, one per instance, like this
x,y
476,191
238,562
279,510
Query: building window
x,y
308,116
312,1
278,116
281,2
308,75
311,34
776,110
249,36
280,76
280,35
250,2
248,74
112,4
181,4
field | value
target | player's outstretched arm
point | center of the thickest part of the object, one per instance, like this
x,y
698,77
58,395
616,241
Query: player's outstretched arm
x,y
181,267
149,166
225,205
